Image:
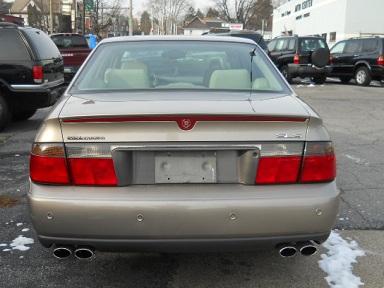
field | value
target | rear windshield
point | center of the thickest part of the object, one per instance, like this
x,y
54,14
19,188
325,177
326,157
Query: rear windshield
x,y
42,45
175,65
312,44
70,41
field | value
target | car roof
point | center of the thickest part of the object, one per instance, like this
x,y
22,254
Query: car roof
x,y
178,38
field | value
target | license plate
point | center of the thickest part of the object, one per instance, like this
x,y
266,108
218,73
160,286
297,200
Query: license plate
x,y
185,167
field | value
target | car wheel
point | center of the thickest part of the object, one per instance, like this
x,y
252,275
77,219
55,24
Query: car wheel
x,y
363,76
4,113
286,74
345,79
319,79
23,115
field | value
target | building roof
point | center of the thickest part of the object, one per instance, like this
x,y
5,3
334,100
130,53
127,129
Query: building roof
x,y
43,5
206,23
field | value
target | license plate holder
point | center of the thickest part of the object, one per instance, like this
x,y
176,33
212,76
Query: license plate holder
x,y
185,167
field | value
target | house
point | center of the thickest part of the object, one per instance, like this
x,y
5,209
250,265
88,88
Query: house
x,y
198,26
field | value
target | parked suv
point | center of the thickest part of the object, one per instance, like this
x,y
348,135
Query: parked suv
x,y
31,72
306,56
248,34
359,58
75,49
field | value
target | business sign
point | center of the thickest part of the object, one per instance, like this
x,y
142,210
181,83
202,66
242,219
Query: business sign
x,y
232,26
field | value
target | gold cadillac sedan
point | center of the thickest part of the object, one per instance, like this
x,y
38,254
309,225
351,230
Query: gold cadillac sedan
x,y
176,144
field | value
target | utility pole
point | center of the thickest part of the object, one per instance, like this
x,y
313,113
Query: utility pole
x,y
83,19
130,22
50,17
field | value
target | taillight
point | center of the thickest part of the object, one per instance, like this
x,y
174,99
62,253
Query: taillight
x,y
84,164
319,163
380,60
291,162
330,59
48,164
296,59
279,163
38,74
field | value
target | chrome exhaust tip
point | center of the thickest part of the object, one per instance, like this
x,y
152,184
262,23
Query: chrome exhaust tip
x,y
287,251
84,253
308,250
62,252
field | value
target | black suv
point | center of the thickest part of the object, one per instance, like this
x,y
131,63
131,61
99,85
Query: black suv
x,y
306,56
31,72
359,58
249,34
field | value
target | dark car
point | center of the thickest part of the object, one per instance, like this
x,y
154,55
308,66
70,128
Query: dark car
x,y
306,56
248,34
75,49
358,58
31,72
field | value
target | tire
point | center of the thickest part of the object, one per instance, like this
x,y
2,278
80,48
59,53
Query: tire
x,y
284,70
4,113
319,79
363,76
345,79
23,115
320,57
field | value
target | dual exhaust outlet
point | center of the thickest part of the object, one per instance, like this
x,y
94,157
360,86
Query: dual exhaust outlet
x,y
306,248
81,252
87,253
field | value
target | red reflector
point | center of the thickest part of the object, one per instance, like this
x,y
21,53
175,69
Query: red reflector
x,y
278,170
49,170
38,74
380,60
92,171
296,59
318,168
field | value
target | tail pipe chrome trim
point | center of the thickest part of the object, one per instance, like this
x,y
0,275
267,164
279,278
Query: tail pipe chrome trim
x,y
62,252
84,253
307,248
286,250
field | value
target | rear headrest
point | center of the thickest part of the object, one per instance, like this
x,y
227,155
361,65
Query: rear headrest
x,y
230,79
127,79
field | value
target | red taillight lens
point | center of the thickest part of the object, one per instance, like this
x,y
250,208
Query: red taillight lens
x,y
286,163
86,164
319,163
48,164
380,60
93,171
296,59
38,74
278,170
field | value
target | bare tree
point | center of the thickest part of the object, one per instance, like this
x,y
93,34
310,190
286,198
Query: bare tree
x,y
104,13
248,12
168,14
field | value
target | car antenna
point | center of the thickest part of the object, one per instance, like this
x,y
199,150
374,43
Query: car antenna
x,y
252,54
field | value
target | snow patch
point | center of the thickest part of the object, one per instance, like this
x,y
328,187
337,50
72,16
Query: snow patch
x,y
357,160
337,263
3,245
19,224
6,250
25,230
311,85
20,242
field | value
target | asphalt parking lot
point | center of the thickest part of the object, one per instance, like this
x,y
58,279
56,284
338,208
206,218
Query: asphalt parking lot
x,y
355,119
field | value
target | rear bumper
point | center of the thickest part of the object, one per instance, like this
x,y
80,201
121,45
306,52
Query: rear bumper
x,y
305,70
183,217
36,96
377,72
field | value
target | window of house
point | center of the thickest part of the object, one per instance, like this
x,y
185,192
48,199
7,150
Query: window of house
x,y
298,7
299,17
332,37
306,15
